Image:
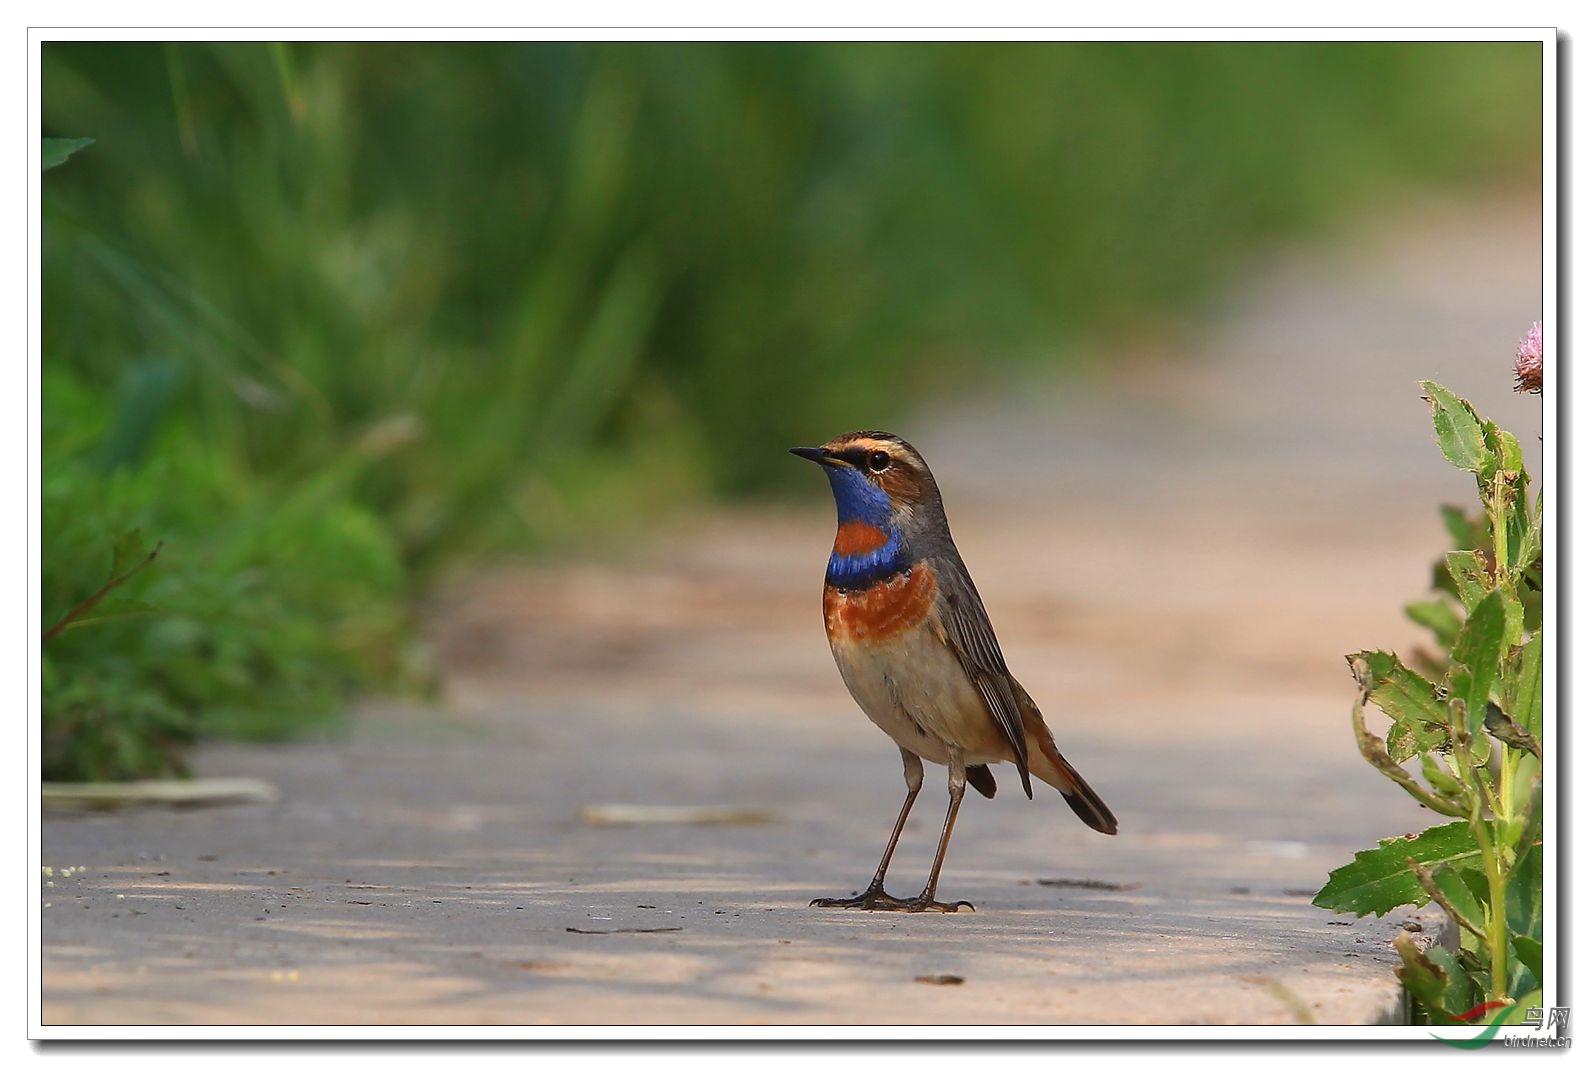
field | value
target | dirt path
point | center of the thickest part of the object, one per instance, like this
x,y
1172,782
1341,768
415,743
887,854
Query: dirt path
x,y
1176,555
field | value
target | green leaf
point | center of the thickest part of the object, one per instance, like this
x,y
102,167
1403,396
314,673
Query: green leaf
x,y
1467,570
1401,743
1399,691
1459,431
1460,992
1529,544
1438,778
1479,647
1379,880
1509,454
1528,548
58,150
1438,616
1525,887
1531,954
1405,695
1513,614
1526,791
1525,704
1464,904
1474,878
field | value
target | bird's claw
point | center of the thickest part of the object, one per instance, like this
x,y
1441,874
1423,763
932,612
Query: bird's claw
x,y
875,899
871,899
931,904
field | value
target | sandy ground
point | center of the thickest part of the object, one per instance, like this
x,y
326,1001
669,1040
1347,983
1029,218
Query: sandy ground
x,y
1177,553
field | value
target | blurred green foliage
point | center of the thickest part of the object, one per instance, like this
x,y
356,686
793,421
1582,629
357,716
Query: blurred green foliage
x,y
267,605
319,316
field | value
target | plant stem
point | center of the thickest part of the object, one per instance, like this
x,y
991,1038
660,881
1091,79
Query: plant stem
x,y
1496,929
65,620
1499,525
1480,801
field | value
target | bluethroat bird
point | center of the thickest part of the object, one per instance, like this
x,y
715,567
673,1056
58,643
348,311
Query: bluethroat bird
x,y
915,647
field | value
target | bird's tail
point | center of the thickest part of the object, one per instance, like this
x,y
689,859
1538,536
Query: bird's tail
x,y
1079,795
1048,764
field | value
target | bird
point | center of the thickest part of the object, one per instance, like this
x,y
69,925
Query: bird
x,y
915,647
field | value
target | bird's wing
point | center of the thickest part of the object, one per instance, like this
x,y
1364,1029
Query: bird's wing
x,y
969,635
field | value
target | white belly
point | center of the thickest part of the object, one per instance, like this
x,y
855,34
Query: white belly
x,y
912,687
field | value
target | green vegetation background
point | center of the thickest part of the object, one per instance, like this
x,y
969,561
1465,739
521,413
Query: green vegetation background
x,y
323,318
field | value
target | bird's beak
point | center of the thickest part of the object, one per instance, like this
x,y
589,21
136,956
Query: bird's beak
x,y
817,455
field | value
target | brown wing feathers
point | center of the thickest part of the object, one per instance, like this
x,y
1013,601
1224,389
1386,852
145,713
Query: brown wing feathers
x,y
971,638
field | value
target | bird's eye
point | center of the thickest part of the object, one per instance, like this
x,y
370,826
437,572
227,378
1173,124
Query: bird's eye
x,y
879,461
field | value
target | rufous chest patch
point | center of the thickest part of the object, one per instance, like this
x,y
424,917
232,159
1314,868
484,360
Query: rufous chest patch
x,y
882,610
855,537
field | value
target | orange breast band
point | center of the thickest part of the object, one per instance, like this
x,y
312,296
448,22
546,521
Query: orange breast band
x,y
855,537
883,610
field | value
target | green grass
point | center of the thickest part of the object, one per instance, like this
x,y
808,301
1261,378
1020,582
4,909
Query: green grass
x,y
517,297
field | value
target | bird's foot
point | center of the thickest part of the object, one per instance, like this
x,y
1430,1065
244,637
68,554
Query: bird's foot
x,y
931,904
874,898
877,899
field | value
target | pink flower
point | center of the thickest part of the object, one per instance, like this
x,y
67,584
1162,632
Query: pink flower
x,y
1528,368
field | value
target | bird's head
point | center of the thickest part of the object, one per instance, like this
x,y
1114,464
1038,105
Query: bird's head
x,y
879,480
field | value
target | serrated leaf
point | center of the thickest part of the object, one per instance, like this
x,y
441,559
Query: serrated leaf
x,y
57,150
1379,880
1407,697
1479,647
1459,431
1467,571
1438,616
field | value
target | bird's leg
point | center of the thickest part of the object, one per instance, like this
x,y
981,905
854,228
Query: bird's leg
x,y
957,780
875,898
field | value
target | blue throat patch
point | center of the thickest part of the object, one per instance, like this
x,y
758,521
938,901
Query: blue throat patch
x,y
858,499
